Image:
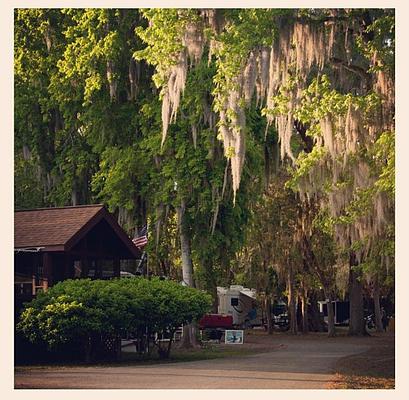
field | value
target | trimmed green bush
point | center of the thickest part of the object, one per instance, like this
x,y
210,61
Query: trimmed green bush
x,y
83,310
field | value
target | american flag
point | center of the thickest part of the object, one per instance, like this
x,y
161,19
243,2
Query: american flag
x,y
142,238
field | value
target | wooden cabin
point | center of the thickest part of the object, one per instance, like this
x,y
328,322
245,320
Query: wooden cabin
x,y
53,244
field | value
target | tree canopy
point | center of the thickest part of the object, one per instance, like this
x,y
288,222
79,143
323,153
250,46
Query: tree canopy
x,y
221,128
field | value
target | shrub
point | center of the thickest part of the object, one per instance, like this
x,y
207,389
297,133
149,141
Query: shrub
x,y
84,310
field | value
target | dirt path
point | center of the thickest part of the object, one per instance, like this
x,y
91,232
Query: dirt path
x,y
295,363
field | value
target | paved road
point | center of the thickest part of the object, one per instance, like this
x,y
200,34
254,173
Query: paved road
x,y
300,364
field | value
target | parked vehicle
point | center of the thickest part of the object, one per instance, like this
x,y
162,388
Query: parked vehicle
x,y
341,311
212,326
216,321
281,322
370,321
241,304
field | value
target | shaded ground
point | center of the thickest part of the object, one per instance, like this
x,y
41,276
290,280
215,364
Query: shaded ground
x,y
271,362
373,369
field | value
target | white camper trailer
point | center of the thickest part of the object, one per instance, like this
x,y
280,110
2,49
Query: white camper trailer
x,y
241,304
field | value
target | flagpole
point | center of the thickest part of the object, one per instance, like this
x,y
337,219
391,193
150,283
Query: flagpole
x,y
147,265
140,239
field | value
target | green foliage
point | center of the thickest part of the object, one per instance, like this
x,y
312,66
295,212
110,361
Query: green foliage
x,y
384,157
304,165
269,244
235,43
320,100
27,191
164,38
37,46
84,132
75,309
381,43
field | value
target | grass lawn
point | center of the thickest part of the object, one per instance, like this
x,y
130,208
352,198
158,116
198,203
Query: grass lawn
x,y
177,354
195,354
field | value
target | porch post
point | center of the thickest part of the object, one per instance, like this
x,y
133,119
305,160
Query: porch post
x,y
48,269
68,267
117,267
84,266
98,268
84,259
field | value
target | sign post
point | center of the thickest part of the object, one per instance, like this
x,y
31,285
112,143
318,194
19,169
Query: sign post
x,y
234,337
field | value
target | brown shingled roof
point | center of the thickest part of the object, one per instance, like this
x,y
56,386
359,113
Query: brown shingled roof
x,y
50,226
59,229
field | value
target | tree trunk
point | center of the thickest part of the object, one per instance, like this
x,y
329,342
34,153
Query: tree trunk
x,y
356,302
164,351
189,331
187,265
298,310
315,319
87,349
331,317
292,305
170,344
304,310
377,306
74,197
215,302
267,307
118,347
210,282
189,338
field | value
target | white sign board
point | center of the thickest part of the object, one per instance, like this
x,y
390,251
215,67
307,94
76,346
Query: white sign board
x,y
233,337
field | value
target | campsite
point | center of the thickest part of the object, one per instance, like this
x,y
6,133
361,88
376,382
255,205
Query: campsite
x,y
205,193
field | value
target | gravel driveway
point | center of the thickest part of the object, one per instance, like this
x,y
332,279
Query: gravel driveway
x,y
295,363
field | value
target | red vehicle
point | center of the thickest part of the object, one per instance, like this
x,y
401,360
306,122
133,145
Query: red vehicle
x,y
214,321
